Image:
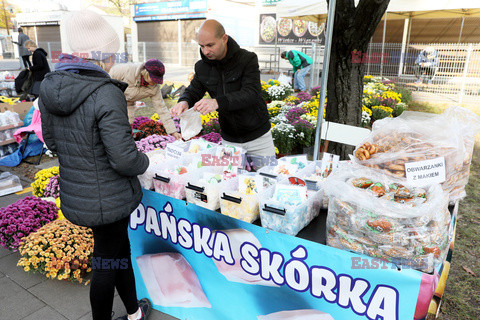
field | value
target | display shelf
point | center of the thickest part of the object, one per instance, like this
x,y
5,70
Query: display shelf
x,y
12,126
5,142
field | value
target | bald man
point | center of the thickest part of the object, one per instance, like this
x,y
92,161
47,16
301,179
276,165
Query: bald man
x,y
232,78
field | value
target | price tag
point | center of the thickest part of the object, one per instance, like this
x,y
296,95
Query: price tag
x,y
426,172
173,152
329,163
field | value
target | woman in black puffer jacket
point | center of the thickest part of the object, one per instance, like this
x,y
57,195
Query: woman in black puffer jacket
x,y
84,121
40,66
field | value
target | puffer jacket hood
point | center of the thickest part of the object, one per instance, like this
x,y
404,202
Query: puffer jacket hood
x,y
81,87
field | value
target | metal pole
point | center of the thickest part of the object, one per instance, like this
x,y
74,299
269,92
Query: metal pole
x,y
179,26
49,52
369,54
144,51
465,72
404,44
275,49
323,89
461,29
313,71
410,22
383,44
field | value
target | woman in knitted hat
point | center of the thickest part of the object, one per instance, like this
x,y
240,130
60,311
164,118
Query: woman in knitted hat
x,y
85,122
144,82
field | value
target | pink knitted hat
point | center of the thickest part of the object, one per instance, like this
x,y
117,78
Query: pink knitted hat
x,y
155,69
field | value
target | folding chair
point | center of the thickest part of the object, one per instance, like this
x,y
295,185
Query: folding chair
x,y
342,133
39,157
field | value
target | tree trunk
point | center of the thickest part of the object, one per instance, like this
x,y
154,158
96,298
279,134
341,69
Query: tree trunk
x,y
352,30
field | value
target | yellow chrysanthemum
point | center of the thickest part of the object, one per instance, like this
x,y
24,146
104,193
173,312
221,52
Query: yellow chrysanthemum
x,y
208,117
367,110
42,178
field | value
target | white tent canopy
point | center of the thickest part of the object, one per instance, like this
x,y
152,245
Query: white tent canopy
x,y
315,10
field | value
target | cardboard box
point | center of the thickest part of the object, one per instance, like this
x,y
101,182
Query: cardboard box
x,y
21,108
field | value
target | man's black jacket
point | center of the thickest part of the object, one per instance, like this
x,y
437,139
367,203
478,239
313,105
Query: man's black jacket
x,y
235,83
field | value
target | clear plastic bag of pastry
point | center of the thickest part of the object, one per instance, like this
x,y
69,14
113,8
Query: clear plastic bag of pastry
x,y
385,217
467,124
417,136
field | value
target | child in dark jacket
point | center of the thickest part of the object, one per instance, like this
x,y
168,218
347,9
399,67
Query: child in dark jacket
x,y
40,66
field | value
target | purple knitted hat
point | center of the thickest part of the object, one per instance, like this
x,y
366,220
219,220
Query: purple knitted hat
x,y
155,69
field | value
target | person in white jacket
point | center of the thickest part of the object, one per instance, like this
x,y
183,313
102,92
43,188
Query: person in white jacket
x,y
144,82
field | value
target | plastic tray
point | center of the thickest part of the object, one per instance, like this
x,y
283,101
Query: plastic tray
x,y
198,191
238,205
288,219
170,183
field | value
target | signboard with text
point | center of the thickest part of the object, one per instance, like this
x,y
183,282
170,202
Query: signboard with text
x,y
170,10
195,263
289,31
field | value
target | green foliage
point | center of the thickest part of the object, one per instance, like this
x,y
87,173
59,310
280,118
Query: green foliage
x,y
405,92
399,108
380,112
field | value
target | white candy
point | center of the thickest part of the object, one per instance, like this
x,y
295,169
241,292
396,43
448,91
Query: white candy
x,y
171,281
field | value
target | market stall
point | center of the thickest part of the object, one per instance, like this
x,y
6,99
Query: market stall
x,y
368,240
296,239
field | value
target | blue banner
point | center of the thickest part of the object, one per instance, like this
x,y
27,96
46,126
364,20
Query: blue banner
x,y
194,263
169,10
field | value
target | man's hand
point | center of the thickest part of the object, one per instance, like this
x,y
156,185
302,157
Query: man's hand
x,y
206,106
177,136
179,108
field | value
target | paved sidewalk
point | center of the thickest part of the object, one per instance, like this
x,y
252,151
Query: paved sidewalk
x,y
34,297
10,65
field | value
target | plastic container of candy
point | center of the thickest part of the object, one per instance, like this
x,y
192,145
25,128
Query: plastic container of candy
x,y
241,204
9,183
286,166
314,176
170,177
156,158
203,186
283,215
